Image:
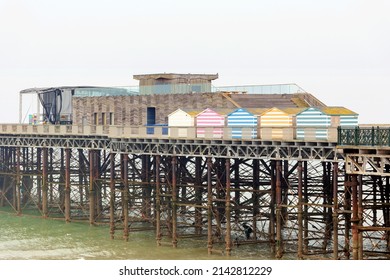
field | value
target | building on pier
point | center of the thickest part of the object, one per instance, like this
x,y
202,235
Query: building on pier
x,y
158,95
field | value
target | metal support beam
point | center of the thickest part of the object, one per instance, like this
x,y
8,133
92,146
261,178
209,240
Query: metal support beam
x,y
279,240
228,239
209,208
174,202
112,195
335,212
300,211
92,203
125,196
158,201
355,219
17,184
67,184
45,182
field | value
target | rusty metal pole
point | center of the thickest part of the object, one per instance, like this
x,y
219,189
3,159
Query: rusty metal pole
x,y
174,202
335,212
39,180
158,202
360,217
272,207
112,195
387,215
300,211
198,195
92,203
14,195
209,208
125,197
17,183
228,238
45,182
62,183
355,219
2,192
67,184
51,177
255,196
347,214
98,186
305,209
81,177
279,241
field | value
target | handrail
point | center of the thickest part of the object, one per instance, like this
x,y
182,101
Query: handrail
x,y
324,134
364,136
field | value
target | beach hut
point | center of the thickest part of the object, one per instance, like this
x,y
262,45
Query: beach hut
x,y
244,122
341,116
321,123
181,122
278,124
312,124
210,123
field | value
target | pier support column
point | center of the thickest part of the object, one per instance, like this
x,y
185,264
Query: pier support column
x,y
228,238
255,196
158,201
174,202
387,212
62,183
146,187
17,183
92,203
198,195
45,182
279,241
300,211
347,215
98,185
82,170
112,195
125,197
209,208
335,212
272,206
360,217
305,209
38,178
67,184
355,219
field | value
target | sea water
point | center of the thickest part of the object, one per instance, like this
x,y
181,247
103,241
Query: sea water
x,y
30,237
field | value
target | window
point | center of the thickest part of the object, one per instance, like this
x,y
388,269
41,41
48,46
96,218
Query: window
x,y
95,119
104,119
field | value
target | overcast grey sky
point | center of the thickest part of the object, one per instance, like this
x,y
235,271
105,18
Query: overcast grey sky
x,y
337,50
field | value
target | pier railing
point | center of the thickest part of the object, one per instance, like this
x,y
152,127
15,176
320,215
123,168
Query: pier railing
x,y
325,134
364,136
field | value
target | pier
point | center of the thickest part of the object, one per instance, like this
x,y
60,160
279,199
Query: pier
x,y
308,198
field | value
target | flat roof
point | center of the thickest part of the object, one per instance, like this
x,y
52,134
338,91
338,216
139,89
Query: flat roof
x,y
171,76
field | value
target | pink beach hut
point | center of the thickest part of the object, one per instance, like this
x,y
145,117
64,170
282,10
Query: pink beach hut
x,y
210,123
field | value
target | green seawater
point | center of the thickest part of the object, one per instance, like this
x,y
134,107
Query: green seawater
x,y
28,237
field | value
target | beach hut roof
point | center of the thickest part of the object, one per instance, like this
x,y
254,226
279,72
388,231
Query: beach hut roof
x,y
337,111
191,112
288,111
253,111
221,111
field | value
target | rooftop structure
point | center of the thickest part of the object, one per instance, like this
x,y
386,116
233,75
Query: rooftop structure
x,y
130,105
